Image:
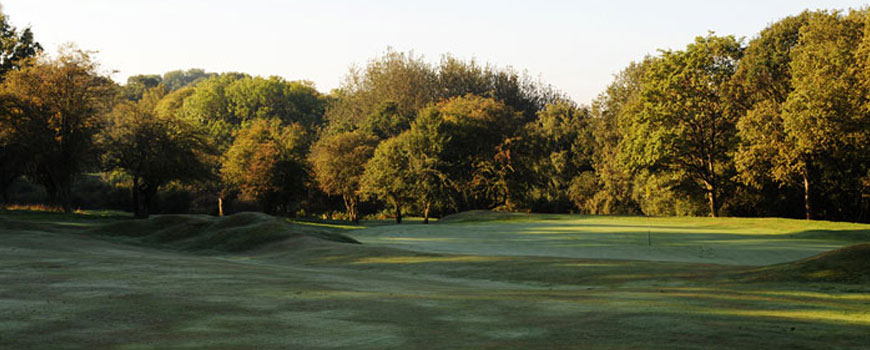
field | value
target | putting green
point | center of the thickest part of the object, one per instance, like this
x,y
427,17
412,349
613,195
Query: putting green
x,y
526,282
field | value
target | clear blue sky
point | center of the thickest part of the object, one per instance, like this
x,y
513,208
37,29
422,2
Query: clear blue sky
x,y
575,45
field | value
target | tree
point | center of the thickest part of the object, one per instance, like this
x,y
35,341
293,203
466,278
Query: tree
x,y
137,84
479,152
611,119
823,119
339,162
152,150
59,105
177,79
15,46
267,164
764,79
387,174
687,125
403,79
425,144
558,149
13,155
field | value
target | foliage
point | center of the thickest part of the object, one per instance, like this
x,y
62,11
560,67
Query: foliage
x,y
55,106
267,164
687,124
152,150
339,162
16,46
558,150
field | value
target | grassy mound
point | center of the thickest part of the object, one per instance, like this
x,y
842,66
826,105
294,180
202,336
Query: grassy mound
x,y
845,265
482,215
239,232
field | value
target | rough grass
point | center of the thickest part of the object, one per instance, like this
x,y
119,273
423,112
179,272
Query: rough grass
x,y
86,282
845,265
234,233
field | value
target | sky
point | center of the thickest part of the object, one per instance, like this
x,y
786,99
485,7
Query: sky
x,y
577,46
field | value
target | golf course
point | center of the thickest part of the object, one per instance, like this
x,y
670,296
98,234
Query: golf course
x,y
475,280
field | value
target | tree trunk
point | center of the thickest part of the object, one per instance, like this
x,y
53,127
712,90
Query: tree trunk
x,y
398,213
426,213
140,202
4,189
350,206
134,192
220,205
713,200
808,208
714,204
711,188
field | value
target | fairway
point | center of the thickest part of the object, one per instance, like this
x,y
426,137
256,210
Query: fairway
x,y
730,241
474,281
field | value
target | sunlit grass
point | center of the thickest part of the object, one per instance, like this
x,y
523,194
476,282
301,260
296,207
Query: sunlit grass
x,y
861,317
427,259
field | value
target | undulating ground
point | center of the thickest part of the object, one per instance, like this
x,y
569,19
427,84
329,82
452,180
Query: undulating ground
x,y
476,280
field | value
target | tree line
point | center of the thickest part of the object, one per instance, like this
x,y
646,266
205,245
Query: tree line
x,y
774,126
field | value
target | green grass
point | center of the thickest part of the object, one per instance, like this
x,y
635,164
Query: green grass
x,y
477,281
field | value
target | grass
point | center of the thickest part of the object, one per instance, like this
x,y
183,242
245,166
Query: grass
x,y
479,281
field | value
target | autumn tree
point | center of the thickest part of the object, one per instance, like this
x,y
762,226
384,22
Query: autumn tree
x,y
152,150
267,164
60,105
687,125
339,162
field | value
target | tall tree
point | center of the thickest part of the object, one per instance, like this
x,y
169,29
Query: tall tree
x,y
823,119
152,150
764,79
611,116
687,125
60,101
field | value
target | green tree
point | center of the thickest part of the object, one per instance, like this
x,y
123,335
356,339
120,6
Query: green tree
x,y
15,46
137,84
59,105
611,119
558,149
764,81
339,162
823,119
687,125
152,150
267,164
479,152
387,175
177,79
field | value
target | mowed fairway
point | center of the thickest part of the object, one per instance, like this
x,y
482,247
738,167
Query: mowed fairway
x,y
474,281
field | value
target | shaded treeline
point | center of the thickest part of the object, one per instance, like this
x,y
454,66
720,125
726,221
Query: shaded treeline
x,y
774,126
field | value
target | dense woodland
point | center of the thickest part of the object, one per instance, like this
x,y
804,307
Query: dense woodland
x,y
774,125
